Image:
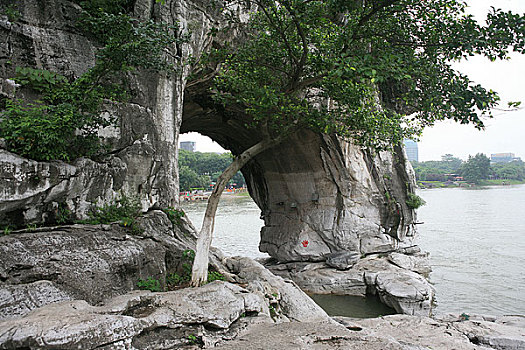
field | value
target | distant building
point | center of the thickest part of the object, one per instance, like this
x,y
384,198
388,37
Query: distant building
x,y
503,158
188,145
411,149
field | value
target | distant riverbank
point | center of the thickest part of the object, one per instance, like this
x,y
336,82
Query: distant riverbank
x,y
200,195
452,184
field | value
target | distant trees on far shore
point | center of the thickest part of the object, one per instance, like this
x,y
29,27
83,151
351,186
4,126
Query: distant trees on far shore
x,y
475,169
201,170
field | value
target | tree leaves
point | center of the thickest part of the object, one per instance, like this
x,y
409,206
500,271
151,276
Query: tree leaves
x,y
356,70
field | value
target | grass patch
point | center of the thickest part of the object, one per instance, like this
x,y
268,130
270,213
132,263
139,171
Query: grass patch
x,y
182,278
500,182
179,279
174,215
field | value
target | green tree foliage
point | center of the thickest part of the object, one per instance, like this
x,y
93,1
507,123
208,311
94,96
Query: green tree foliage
x,y
189,179
509,171
476,168
197,169
325,65
64,122
435,170
205,162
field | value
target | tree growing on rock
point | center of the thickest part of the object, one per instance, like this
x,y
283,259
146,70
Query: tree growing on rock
x,y
374,72
476,168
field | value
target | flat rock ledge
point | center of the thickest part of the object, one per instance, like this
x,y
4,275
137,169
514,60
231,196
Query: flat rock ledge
x,y
392,332
398,279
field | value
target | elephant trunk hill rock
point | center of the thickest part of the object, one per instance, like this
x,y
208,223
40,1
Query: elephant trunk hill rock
x,y
321,198
314,188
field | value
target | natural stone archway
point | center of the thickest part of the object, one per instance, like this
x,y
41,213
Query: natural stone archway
x,y
318,195
311,188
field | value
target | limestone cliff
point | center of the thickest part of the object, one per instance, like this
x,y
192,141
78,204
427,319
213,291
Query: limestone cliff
x,y
318,195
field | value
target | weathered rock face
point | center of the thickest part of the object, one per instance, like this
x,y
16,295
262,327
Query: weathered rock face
x,y
143,157
332,197
36,192
401,288
90,263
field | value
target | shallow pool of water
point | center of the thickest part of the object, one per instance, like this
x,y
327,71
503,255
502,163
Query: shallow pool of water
x,y
352,306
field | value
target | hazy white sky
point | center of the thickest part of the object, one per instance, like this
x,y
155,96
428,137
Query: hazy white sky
x,y
504,133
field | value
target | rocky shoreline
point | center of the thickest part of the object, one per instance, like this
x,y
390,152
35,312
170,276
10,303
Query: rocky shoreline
x,y
395,277
73,287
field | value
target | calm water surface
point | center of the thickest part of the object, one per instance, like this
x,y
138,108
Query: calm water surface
x,y
237,225
476,240
352,306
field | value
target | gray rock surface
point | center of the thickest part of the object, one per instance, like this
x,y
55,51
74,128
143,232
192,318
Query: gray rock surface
x,y
35,192
138,320
88,262
323,196
317,278
417,262
228,316
431,333
390,332
343,260
19,299
214,313
406,291
285,296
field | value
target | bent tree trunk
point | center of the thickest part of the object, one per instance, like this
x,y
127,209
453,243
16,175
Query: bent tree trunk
x,y
200,264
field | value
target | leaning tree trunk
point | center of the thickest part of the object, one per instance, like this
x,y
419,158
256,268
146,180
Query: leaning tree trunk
x,y
200,264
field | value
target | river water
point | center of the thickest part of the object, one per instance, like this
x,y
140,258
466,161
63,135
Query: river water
x,y
476,240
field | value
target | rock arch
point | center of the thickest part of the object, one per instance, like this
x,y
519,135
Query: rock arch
x,y
312,188
318,195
